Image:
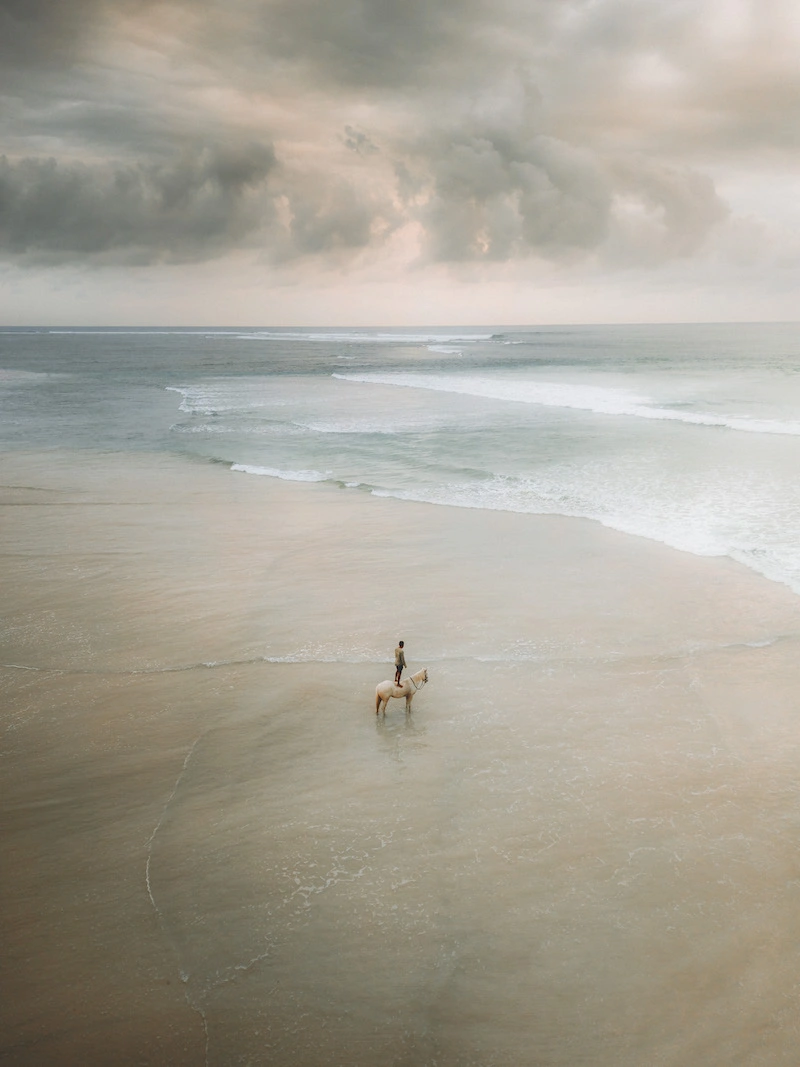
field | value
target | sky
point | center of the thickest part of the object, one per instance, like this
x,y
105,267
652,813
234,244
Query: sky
x,y
398,162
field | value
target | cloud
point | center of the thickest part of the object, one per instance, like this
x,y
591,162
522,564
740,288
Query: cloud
x,y
368,44
489,195
194,208
198,206
330,218
703,81
358,141
683,204
143,131
43,32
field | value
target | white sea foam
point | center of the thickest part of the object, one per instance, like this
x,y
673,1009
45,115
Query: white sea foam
x,y
446,350
186,403
321,657
204,428
11,376
216,428
600,400
366,337
490,498
200,401
348,427
687,529
223,397
288,476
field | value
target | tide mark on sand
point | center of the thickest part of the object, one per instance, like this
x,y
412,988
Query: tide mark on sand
x,y
22,667
158,825
160,916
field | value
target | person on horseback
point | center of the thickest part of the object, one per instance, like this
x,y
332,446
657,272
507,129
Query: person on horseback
x,y
399,663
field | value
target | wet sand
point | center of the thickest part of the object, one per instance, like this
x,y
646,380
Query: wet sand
x,y
580,847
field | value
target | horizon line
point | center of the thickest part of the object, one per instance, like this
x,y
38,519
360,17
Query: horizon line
x,y
79,327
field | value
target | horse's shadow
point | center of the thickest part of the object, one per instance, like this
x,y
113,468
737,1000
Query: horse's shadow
x,y
399,732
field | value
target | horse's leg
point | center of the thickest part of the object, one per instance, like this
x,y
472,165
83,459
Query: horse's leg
x,y
377,703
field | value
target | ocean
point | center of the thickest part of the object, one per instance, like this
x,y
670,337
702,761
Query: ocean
x,y
687,435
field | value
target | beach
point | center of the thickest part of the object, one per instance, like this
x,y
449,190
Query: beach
x,y
579,846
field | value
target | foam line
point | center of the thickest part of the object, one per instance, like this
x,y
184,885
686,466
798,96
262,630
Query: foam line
x,y
595,399
288,476
368,338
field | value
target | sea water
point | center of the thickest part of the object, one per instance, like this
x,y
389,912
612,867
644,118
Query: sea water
x,y
687,435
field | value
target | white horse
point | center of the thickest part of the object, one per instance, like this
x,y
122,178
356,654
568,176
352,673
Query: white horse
x,y
407,689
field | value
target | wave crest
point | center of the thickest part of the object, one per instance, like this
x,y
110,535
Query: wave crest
x,y
600,400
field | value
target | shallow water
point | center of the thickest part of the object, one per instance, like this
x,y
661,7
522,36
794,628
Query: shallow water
x,y
591,876
484,883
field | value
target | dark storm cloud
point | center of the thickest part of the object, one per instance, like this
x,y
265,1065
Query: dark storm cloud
x,y
198,206
201,204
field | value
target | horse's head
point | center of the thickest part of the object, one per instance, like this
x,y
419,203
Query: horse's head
x,y
420,678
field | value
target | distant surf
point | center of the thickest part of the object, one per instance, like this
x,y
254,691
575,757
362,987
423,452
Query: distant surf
x,y
596,399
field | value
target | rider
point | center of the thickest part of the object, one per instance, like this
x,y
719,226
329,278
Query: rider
x,y
399,663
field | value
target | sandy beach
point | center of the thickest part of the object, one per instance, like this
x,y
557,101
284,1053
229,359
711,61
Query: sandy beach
x,y
579,848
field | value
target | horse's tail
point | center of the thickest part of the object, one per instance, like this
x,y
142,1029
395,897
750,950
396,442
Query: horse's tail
x,y
377,702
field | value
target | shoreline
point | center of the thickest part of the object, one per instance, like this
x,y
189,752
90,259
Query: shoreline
x,y
355,492
322,483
